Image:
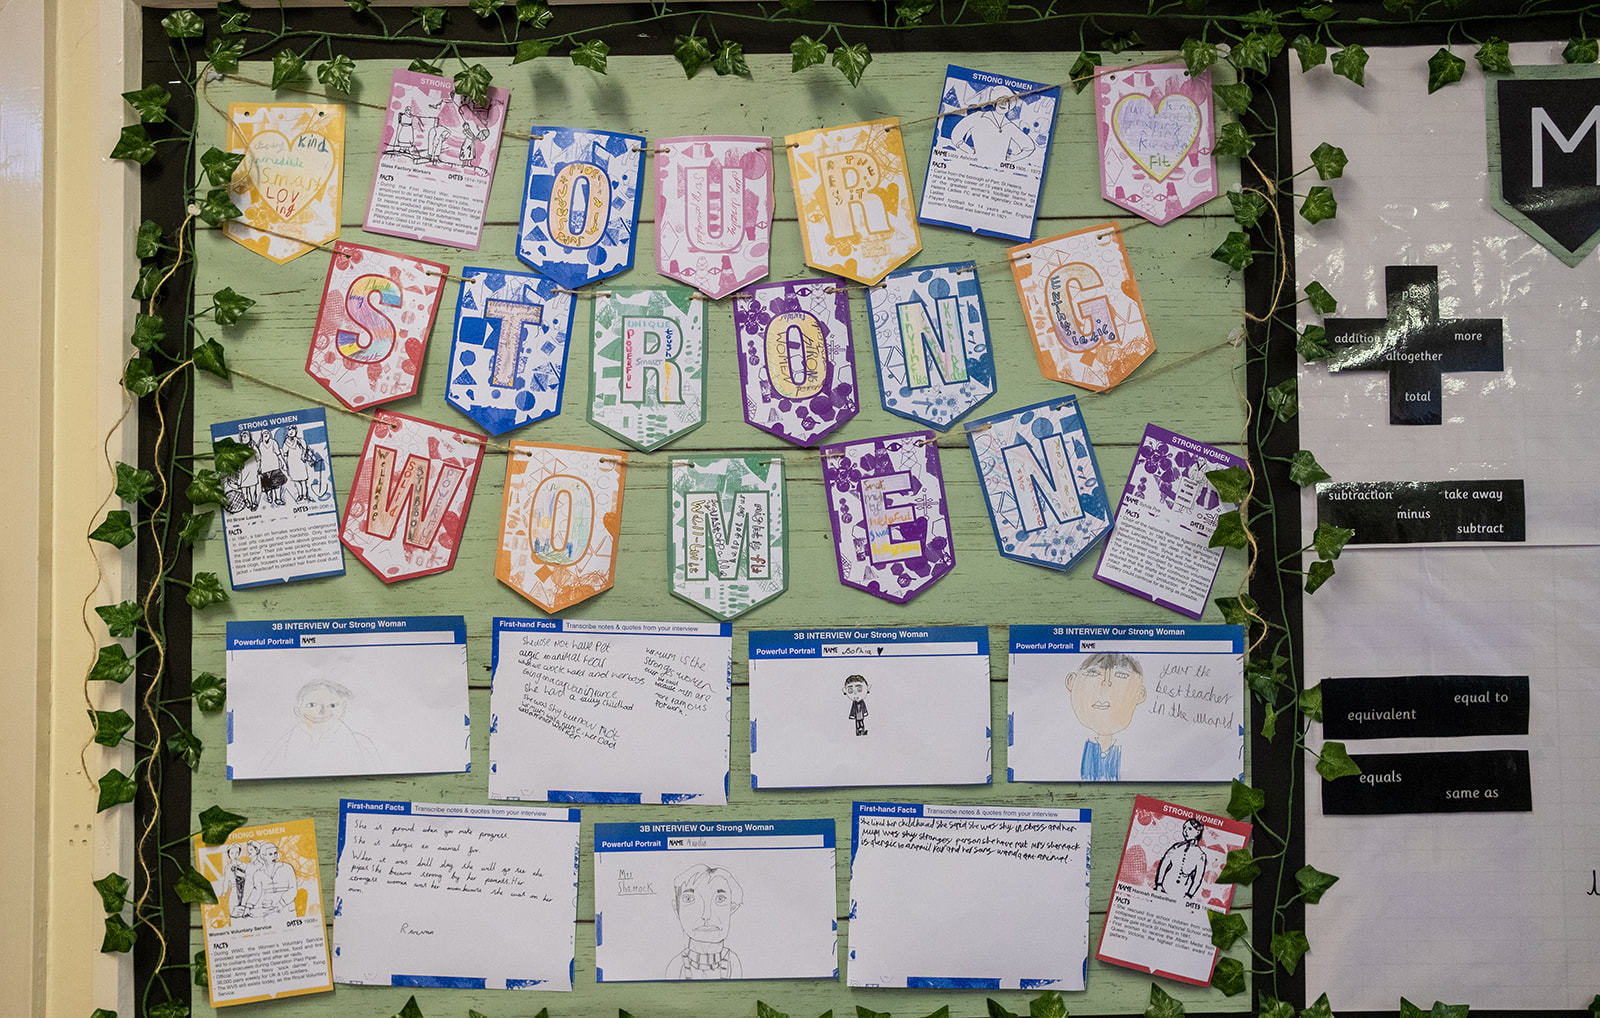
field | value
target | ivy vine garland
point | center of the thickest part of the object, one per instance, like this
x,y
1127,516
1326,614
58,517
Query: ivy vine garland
x,y
303,59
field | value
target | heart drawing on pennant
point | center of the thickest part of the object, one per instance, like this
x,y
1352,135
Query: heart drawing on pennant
x,y
289,175
1156,136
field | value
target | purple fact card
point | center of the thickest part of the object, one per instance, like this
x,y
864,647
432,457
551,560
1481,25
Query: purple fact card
x,y
713,211
435,161
1158,545
796,363
891,526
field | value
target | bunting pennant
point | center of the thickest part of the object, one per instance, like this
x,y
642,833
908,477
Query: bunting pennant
x,y
891,527
727,551
561,522
508,356
930,337
796,362
409,500
1083,306
580,207
647,373
713,211
852,195
372,328
288,186
1042,482
1155,128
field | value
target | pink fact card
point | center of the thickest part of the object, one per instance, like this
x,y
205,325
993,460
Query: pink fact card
x,y
1156,127
713,211
435,161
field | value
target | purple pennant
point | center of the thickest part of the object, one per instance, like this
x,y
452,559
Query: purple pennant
x,y
795,359
891,526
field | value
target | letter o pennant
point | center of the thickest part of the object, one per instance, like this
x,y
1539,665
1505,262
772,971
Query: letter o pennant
x,y
561,525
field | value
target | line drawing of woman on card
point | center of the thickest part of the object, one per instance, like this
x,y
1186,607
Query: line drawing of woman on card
x,y
321,741
1184,861
1105,692
705,898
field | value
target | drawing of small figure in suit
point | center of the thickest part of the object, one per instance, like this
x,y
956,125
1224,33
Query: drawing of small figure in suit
x,y
1183,864
856,688
705,898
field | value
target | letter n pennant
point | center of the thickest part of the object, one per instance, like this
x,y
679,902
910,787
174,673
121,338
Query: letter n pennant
x,y
580,206
372,329
562,522
647,373
508,359
727,550
891,526
713,211
1042,482
853,198
796,362
930,336
409,500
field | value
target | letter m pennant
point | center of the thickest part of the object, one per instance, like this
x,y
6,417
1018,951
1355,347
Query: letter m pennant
x,y
1544,155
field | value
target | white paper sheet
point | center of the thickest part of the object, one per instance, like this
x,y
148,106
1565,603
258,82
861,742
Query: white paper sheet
x,y
869,707
313,697
731,899
466,897
940,897
585,711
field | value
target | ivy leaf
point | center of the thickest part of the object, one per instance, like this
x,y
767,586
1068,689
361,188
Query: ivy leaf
x,y
1239,868
230,306
1250,54
112,664
592,55
1444,68
186,746
1269,725
1310,702
1081,73
134,145
1318,574
1119,43
110,725
1226,928
217,823
1439,1010
1234,251
1266,676
205,488
992,11
202,977
287,66
1330,162
134,484
1283,399
218,207
209,356
209,691
1319,205
1318,12
183,25
168,1009
1351,62
1049,1004
119,936
232,16
532,12
1229,533
1272,1007
1322,302
195,526
194,889
1304,469
1335,763
150,102
730,60
1162,1004
797,7
1228,977
205,591
691,53
149,281
998,1010
220,166
411,1010
1320,1008
807,52
1235,98
472,83
1198,55
1288,948
863,1012
229,455
1244,801
139,377
1233,140
1494,56
1581,51
1259,19
422,66
1314,883
121,619
430,19
1312,344
484,8
116,529
113,888
224,54
115,788
763,1010
852,61
1237,611
913,12
1330,540
337,73
1311,54
1232,483
531,49
148,241
1248,208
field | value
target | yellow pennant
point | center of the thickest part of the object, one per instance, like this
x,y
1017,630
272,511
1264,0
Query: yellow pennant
x,y
288,186
853,197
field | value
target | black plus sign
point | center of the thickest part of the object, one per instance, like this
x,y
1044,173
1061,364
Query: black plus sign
x,y
1414,345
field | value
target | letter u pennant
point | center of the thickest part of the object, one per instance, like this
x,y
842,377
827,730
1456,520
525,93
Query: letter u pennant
x,y
713,211
891,526
580,206
853,198
562,522
372,329
409,500
727,550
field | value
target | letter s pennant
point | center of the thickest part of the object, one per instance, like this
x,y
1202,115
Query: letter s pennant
x,y
727,549
891,526
713,211
562,522
580,206
372,329
853,198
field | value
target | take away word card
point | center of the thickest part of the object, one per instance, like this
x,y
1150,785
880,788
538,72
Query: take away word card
x,y
1041,482
1159,917
287,188
561,522
1126,703
315,697
733,899
265,938
435,161
834,708
713,211
1158,546
1155,127
728,536
647,369
586,711
280,515
891,524
373,324
938,893
797,364
455,896
508,353
930,338
991,144
1083,306
852,195
580,206
408,502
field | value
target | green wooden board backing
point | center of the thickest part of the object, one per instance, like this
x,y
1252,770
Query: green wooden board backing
x,y
1190,385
